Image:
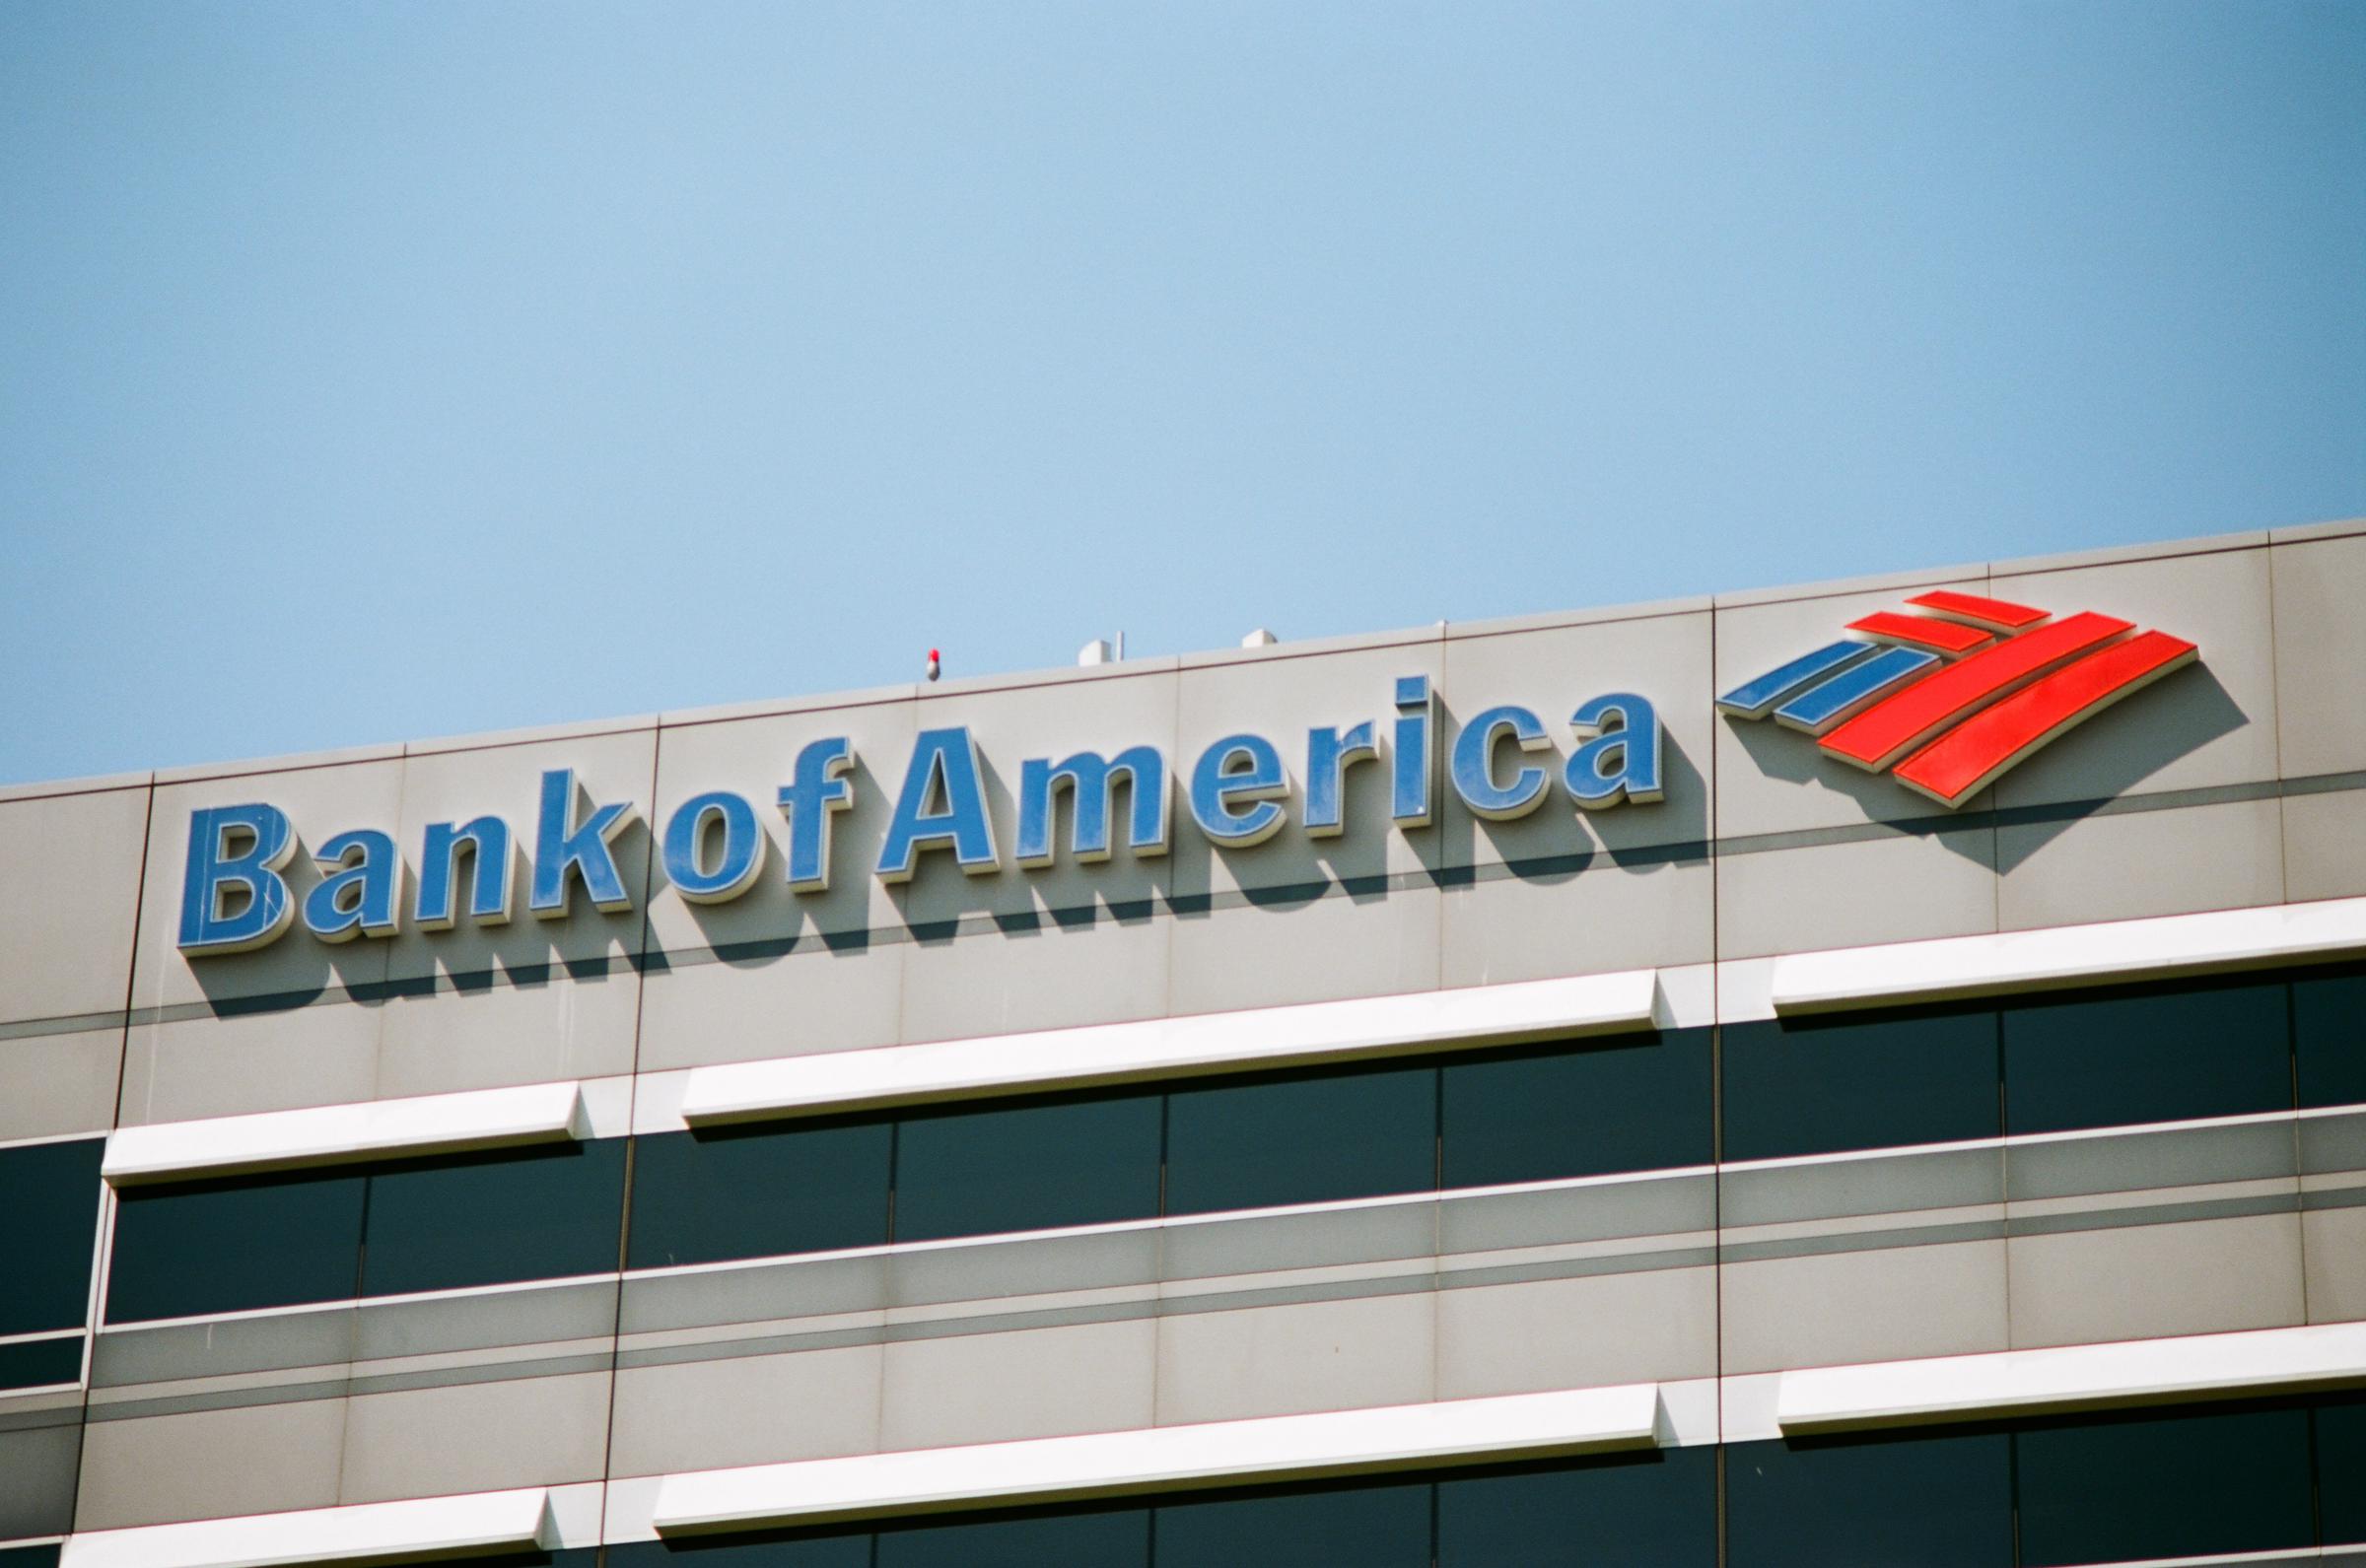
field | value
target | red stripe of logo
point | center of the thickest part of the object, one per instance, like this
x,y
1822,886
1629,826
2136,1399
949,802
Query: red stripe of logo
x,y
1948,637
1885,731
1973,754
1972,607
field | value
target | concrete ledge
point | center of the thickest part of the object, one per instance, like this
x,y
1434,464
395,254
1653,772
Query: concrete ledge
x,y
1267,1037
1954,966
1216,1453
336,1135
471,1525
2071,1377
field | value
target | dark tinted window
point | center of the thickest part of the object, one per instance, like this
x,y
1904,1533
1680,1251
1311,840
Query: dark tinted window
x,y
764,1192
48,1223
2329,1031
1652,1511
1118,1540
1821,1085
833,1551
227,1246
1364,1526
33,1362
29,1556
2163,1486
1027,1167
2342,1469
1637,1103
487,1220
2160,1056
1935,1502
1303,1140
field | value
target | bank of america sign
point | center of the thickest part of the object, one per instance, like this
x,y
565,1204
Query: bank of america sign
x,y
1947,696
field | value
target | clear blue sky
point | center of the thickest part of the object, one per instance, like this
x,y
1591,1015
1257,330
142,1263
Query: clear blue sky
x,y
405,369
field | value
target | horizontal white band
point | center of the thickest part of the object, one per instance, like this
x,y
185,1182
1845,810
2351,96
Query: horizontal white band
x,y
2074,955
448,1527
1109,1464
2071,1377
334,1134
1478,1015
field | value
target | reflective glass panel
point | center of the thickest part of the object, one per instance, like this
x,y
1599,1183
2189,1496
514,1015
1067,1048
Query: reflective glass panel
x,y
1820,1085
758,1193
1119,1539
849,1551
31,1363
2341,1469
1931,1501
49,1225
1032,1167
210,1247
2158,1054
2114,1488
1301,1140
1579,1108
1654,1510
491,1219
2329,1034
1364,1526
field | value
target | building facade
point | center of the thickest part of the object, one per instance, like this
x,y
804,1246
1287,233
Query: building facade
x,y
1870,1073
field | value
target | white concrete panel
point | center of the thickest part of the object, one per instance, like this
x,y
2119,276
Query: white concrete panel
x,y
344,1134
1900,887
2324,845
2037,960
2131,864
746,1410
2079,1377
59,1083
509,1031
2320,654
1323,950
207,1066
1035,973
1153,1048
69,884
425,1528
1029,1382
1344,1443
818,998
1508,928
2214,723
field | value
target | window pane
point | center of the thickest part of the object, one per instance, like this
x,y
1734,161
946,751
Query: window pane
x,y
1935,1502
1821,1085
227,1246
1579,1108
532,1214
2161,1054
1301,1140
760,1192
851,1550
1649,1511
1117,1538
1030,1167
2342,1469
1364,1526
2328,1030
49,1225
29,1557
2163,1486
34,1362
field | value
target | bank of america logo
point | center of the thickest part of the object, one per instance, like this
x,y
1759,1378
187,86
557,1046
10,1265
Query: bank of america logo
x,y
1950,699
